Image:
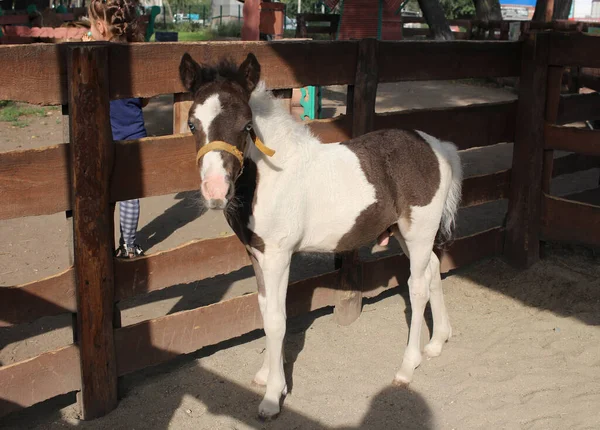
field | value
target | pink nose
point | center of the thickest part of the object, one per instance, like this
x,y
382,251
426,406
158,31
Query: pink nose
x,y
215,187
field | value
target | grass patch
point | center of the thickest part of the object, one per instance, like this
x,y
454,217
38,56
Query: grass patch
x,y
13,113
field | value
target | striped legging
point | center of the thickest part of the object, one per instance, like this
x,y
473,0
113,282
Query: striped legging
x,y
129,214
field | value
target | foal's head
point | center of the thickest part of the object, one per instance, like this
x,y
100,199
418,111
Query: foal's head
x,y
221,121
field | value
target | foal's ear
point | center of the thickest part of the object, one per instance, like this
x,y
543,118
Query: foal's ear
x,y
190,73
250,71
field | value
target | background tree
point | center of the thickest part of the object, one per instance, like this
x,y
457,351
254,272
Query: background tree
x,y
561,9
436,19
488,10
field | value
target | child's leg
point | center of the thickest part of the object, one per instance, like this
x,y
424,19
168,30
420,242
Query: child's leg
x,y
129,216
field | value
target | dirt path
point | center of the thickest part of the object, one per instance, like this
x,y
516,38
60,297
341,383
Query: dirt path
x,y
519,358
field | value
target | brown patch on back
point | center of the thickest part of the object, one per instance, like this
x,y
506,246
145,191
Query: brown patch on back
x,y
404,171
239,210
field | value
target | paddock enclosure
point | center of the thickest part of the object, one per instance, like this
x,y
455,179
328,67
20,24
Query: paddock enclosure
x,y
81,175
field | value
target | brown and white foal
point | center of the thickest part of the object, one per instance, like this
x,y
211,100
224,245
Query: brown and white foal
x,y
293,193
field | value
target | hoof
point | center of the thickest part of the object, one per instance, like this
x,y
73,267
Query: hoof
x,y
433,349
268,410
400,383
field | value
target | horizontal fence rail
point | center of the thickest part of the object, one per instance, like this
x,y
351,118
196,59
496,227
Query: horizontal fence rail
x,y
134,71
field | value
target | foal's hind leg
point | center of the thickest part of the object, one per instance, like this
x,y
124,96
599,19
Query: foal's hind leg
x,y
442,330
418,249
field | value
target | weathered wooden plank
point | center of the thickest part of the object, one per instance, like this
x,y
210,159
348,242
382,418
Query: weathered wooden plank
x,y
477,190
158,340
40,378
522,226
431,60
162,165
578,107
193,261
50,296
91,165
283,65
467,127
469,249
570,221
580,140
36,73
34,181
574,49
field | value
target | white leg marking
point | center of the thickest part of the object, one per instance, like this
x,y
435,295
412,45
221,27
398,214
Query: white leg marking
x,y
441,324
419,251
275,268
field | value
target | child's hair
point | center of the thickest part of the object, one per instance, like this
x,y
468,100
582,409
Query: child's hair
x,y
121,18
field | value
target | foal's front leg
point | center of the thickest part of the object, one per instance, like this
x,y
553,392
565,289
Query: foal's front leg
x,y
275,269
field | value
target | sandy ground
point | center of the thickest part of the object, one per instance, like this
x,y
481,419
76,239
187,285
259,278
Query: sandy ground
x,y
524,354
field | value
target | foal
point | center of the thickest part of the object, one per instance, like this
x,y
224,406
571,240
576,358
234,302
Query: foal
x,y
294,194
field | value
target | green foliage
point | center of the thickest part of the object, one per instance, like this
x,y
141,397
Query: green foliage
x,y
12,113
230,29
456,9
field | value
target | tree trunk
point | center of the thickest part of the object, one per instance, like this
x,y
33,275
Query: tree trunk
x,y
435,18
488,10
562,8
543,10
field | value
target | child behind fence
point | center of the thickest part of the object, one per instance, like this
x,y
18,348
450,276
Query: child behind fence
x,y
117,21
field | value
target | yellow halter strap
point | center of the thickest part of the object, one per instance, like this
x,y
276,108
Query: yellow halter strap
x,y
219,145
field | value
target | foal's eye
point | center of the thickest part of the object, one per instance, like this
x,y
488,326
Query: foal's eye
x,y
248,127
191,126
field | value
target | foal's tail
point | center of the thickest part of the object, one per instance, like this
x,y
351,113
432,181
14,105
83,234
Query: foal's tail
x,y
450,153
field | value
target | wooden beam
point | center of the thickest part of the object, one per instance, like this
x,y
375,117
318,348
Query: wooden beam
x,y
283,64
34,182
569,221
36,73
580,140
193,261
49,296
447,60
92,159
28,382
487,124
477,190
522,225
574,49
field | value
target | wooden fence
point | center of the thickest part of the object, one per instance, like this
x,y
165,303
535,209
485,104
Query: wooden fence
x,y
477,29
81,175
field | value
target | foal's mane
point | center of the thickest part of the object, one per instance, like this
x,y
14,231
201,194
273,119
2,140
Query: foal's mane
x,y
225,69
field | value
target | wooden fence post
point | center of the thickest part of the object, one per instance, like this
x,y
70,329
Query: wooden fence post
x,y
92,153
348,303
522,244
